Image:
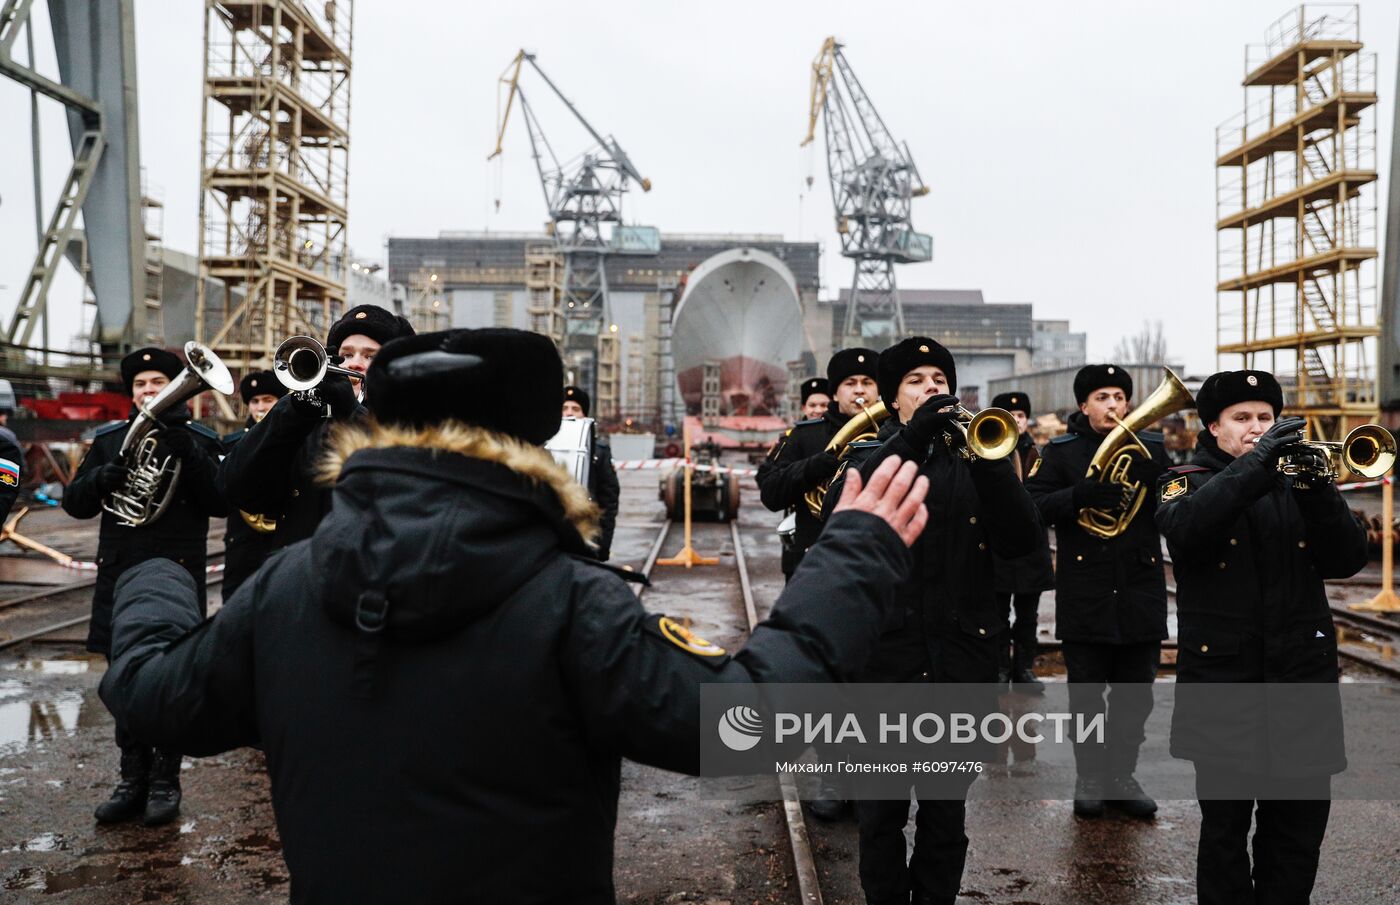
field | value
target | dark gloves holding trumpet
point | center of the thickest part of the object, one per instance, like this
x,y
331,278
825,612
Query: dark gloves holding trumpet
x,y
1286,433
339,394
931,418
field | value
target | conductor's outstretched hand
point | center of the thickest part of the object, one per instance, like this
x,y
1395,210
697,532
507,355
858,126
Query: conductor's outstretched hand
x,y
895,493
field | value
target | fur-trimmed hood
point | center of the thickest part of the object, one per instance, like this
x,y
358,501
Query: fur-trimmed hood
x,y
446,521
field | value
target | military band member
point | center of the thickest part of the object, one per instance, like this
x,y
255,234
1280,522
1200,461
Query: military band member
x,y
248,540
1110,593
602,477
816,398
11,464
271,471
453,572
1250,550
150,780
1019,582
799,462
946,624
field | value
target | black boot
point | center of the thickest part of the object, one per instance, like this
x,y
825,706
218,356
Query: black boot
x,y
129,797
830,803
163,801
1128,797
1088,796
1027,683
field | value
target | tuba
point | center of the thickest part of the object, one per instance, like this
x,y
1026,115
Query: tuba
x,y
1120,447
150,484
1368,451
860,428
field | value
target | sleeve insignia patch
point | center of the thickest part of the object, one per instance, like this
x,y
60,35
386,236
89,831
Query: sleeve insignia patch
x,y
1035,466
9,473
687,640
1173,489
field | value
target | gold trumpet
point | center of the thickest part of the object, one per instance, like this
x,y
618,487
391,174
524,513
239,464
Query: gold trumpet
x,y
1368,451
990,434
1117,451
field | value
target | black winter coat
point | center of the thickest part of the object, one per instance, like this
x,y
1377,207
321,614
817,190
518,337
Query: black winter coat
x,y
272,470
1032,573
603,490
245,548
11,470
1106,591
470,751
181,534
945,620
1250,554
789,471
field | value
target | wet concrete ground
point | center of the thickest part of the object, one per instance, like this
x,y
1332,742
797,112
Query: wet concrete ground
x,y
675,841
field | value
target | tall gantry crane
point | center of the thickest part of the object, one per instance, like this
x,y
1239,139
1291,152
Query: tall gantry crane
x,y
584,198
873,181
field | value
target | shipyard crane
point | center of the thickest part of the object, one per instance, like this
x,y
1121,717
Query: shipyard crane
x,y
584,198
873,181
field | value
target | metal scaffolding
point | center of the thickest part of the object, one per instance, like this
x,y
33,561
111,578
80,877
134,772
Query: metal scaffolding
x,y
1296,219
275,149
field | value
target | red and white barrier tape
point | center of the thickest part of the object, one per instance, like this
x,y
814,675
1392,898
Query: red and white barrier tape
x,y
1359,485
631,464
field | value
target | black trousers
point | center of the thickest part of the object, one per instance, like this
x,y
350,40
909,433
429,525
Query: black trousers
x,y
1114,680
1287,839
940,849
1026,609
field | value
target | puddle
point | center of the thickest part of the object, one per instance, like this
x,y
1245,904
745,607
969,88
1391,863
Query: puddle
x,y
83,876
25,722
1377,643
44,842
59,666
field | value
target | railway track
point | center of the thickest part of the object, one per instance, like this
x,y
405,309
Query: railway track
x,y
62,607
808,883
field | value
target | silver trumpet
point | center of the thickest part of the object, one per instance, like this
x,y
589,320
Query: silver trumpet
x,y
301,363
151,482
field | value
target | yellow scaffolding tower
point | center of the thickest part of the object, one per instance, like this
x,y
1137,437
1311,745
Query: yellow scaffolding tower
x,y
275,148
1296,219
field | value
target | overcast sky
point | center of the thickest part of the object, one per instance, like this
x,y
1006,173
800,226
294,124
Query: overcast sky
x,y
1068,147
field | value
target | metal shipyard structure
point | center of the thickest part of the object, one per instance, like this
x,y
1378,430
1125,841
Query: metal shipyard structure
x,y
1296,219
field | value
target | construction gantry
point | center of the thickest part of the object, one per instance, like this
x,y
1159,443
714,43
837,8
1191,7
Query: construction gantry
x,y
275,149
1296,219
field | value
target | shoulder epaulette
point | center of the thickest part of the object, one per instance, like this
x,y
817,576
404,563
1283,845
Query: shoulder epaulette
x,y
1187,469
866,444
625,574
1152,436
235,436
108,428
202,430
1063,438
808,422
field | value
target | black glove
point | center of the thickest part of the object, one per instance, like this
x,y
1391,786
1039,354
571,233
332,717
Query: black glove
x,y
1090,493
178,442
820,467
1146,472
110,477
927,420
1316,469
339,394
1285,433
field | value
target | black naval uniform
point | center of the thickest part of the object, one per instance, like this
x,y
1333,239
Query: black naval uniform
x,y
476,738
11,470
272,468
796,464
1110,601
245,547
1019,582
944,627
603,489
181,534
1250,554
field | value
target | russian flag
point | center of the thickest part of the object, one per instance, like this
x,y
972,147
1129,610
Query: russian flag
x,y
9,472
